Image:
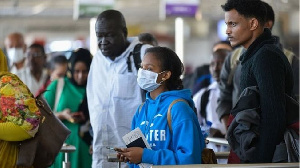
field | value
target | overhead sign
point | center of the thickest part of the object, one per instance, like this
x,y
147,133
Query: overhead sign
x,y
184,8
91,8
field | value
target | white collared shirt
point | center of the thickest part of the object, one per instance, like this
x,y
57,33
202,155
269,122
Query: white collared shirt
x,y
30,81
211,107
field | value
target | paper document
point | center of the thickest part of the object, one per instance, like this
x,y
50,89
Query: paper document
x,y
136,138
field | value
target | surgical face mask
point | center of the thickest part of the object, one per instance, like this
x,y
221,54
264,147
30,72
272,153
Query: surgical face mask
x,y
147,80
15,55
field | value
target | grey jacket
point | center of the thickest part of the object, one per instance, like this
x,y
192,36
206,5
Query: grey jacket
x,y
243,130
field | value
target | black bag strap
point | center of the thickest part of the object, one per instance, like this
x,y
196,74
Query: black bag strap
x,y
204,102
137,55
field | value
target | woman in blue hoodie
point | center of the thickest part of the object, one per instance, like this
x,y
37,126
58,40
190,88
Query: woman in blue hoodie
x,y
182,142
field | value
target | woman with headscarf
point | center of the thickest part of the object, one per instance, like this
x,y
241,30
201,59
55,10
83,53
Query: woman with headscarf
x,y
19,115
68,106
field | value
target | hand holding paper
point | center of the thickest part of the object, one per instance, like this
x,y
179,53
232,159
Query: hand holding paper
x,y
133,155
135,142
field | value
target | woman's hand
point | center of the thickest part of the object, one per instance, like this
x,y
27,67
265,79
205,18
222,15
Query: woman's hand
x,y
121,157
131,155
78,117
65,115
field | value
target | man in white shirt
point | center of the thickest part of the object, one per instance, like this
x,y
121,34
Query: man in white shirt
x,y
112,90
35,74
206,110
15,48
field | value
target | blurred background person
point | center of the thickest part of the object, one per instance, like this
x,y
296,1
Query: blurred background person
x,y
202,77
206,102
223,44
57,68
69,102
15,48
35,73
147,38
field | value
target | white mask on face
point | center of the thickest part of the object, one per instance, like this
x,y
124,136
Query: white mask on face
x,y
15,55
147,80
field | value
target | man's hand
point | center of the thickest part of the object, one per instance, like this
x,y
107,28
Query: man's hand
x,y
224,121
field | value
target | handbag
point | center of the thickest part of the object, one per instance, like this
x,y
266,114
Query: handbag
x,y
208,156
41,150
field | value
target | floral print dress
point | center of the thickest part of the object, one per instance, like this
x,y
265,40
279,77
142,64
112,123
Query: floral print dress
x,y
19,117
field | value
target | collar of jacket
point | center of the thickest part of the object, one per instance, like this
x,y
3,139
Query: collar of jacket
x,y
265,38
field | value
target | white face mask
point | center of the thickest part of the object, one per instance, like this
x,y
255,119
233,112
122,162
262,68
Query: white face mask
x,y
15,55
147,80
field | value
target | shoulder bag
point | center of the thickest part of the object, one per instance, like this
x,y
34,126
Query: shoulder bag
x,y
41,150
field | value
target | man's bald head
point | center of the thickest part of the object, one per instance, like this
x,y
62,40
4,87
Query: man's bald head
x,y
113,16
111,32
14,40
15,47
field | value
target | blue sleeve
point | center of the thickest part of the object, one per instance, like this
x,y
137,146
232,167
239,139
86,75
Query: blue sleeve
x,y
187,140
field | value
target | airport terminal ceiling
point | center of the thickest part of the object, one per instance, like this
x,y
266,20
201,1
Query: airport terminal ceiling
x,y
54,19
59,13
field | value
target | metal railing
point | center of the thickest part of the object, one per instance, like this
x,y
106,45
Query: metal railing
x,y
67,149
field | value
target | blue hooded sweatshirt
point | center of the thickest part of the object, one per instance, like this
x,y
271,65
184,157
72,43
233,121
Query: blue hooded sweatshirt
x,y
182,146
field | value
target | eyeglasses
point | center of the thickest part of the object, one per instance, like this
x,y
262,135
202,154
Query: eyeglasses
x,y
35,54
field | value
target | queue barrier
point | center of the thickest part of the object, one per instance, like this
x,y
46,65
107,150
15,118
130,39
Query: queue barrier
x,y
67,149
219,155
261,165
217,141
113,158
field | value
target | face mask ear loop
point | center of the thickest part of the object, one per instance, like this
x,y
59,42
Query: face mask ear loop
x,y
161,82
161,78
161,72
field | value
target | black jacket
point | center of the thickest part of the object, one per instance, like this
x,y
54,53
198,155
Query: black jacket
x,y
265,65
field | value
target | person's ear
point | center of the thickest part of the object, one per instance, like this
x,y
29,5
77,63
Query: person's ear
x,y
166,75
269,24
254,24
